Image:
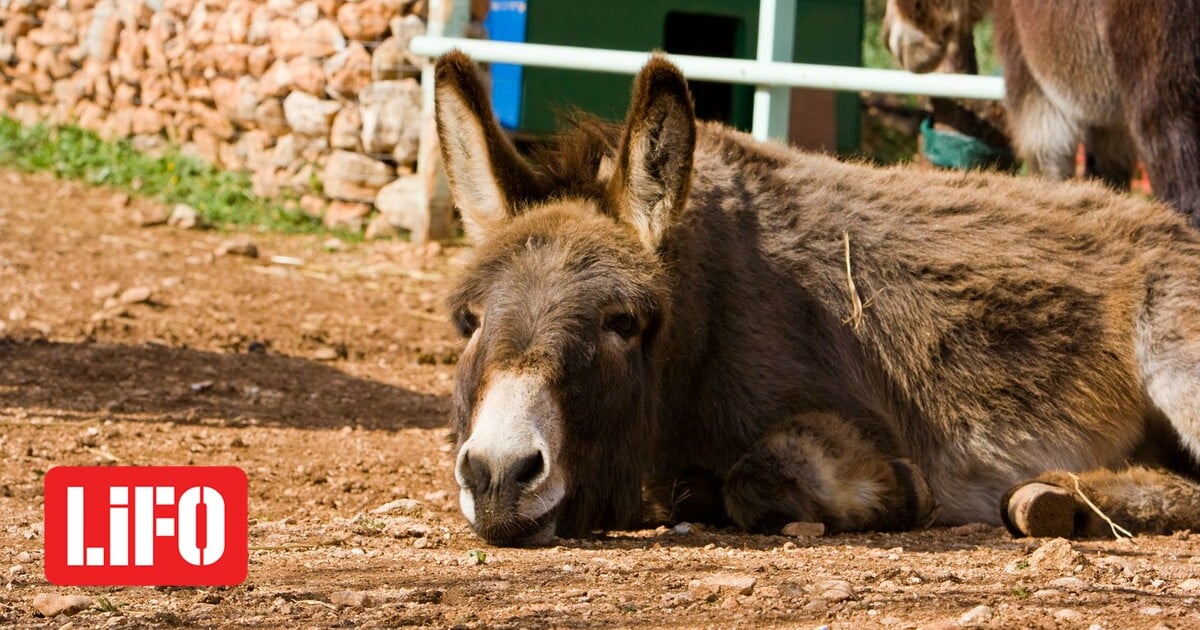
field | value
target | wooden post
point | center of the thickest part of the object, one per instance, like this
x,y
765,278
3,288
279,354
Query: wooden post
x,y
447,18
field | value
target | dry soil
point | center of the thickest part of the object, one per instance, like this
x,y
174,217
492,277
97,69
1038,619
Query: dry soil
x,y
326,377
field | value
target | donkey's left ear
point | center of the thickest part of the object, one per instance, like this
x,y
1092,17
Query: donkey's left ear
x,y
654,167
488,179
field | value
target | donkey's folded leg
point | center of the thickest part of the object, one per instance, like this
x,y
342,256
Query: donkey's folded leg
x,y
820,467
1141,500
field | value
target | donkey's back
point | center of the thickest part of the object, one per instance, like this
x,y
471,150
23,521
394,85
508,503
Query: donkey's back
x,y
985,328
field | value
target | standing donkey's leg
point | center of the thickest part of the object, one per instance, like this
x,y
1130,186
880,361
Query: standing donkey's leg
x,y
1169,143
1142,500
1044,135
1160,84
1110,156
820,467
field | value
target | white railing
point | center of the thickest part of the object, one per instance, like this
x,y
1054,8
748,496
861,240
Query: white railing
x,y
746,71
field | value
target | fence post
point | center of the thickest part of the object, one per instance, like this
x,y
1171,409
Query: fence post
x,y
447,18
776,35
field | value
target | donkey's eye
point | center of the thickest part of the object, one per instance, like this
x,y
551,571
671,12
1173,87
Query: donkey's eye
x,y
623,324
466,322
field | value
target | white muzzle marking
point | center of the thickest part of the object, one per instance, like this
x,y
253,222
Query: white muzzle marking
x,y
516,416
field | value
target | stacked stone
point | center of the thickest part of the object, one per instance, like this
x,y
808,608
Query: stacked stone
x,y
296,92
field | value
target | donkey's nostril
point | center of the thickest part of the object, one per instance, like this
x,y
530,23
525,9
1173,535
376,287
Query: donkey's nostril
x,y
487,473
529,468
476,473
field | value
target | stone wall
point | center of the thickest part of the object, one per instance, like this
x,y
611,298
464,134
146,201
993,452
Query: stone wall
x,y
319,100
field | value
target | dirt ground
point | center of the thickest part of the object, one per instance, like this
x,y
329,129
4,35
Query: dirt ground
x,y
327,381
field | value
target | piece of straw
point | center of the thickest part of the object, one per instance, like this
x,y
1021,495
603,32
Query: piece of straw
x,y
1117,530
856,305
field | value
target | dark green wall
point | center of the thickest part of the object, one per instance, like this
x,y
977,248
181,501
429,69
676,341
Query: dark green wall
x,y
827,31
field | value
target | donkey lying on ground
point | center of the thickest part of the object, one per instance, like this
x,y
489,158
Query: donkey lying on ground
x,y
740,332
1123,76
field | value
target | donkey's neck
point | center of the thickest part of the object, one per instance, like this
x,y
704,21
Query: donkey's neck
x,y
731,359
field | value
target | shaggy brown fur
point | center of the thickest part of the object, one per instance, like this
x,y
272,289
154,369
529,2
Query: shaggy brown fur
x,y
1123,76
705,334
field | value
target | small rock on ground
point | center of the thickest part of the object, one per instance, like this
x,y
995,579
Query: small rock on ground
x,y
325,354
352,599
238,247
1055,556
1073,584
209,598
52,604
978,615
836,590
715,584
105,291
1066,614
399,505
380,227
184,217
800,529
134,295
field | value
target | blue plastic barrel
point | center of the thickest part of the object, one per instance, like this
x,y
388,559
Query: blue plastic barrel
x,y
506,23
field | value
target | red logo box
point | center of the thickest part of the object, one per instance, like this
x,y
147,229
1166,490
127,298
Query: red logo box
x,y
145,525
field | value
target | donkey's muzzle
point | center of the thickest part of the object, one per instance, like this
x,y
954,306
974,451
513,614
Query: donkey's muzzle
x,y
506,469
515,473
517,532
508,496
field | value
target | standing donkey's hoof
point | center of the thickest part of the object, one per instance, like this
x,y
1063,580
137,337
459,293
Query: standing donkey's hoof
x,y
1039,510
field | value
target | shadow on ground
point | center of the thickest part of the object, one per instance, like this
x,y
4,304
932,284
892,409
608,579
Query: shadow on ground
x,y
191,386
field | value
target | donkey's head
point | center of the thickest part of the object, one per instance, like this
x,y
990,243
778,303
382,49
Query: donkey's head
x,y
561,307
921,34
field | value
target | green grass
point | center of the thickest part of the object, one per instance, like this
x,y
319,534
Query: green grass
x,y
223,198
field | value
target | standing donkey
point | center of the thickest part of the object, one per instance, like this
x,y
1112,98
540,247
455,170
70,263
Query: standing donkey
x,y
740,332
1123,76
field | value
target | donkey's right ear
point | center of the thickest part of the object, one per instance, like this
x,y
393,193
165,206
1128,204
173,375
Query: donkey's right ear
x,y
488,179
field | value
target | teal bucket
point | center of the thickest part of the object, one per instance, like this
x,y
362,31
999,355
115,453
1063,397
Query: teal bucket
x,y
951,149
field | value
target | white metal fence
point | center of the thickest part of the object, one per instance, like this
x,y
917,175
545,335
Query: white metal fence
x,y
770,76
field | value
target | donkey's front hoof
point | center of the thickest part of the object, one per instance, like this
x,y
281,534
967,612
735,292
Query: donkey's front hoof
x,y
1040,510
920,507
